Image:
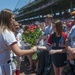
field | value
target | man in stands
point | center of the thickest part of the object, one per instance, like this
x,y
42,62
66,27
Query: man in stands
x,y
45,58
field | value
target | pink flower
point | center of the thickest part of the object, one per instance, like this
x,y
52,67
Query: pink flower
x,y
32,30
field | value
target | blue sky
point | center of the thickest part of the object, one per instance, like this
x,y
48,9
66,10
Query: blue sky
x,y
10,4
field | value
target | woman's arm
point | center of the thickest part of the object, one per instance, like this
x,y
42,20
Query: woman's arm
x,y
41,48
70,50
15,48
67,42
51,51
57,51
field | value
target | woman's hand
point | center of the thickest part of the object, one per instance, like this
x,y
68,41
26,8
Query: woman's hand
x,y
52,51
34,48
57,51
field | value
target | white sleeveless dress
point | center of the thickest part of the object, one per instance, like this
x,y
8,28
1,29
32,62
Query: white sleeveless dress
x,y
6,39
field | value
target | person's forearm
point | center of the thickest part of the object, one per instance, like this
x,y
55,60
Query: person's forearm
x,y
41,48
27,52
69,49
67,42
73,55
57,51
61,51
15,48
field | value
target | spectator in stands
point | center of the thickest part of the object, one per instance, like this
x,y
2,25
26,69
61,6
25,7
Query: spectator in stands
x,y
21,28
64,27
45,59
58,52
57,40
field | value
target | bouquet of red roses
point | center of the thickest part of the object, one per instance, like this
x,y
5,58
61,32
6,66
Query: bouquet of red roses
x,y
33,33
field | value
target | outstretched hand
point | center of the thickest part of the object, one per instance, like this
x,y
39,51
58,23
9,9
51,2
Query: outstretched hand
x,y
34,48
52,52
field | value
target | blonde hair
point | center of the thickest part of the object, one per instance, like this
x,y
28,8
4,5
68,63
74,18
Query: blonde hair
x,y
5,23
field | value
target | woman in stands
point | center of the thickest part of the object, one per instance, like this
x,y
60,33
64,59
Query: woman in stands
x,y
58,52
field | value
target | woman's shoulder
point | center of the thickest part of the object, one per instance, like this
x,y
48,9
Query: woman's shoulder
x,y
8,37
8,32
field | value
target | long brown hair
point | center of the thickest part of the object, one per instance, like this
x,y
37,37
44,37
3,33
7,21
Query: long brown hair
x,y
58,25
6,19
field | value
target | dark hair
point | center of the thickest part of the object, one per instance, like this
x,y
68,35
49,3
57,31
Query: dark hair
x,y
25,28
58,25
6,19
48,16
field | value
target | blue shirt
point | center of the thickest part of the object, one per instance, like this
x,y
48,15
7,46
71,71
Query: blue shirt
x,y
48,30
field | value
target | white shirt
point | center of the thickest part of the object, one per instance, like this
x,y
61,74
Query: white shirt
x,y
48,30
6,38
19,40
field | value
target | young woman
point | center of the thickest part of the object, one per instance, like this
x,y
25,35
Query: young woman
x,y
8,42
57,42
